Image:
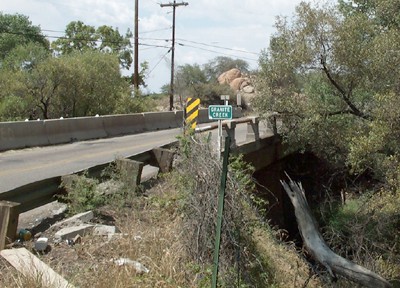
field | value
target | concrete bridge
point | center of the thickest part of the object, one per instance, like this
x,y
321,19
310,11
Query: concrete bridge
x,y
259,150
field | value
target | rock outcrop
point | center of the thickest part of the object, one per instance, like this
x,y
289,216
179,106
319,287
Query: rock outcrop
x,y
228,76
238,83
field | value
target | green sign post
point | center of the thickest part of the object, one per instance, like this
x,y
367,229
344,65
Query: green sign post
x,y
220,112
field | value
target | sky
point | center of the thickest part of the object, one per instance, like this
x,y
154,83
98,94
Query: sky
x,y
205,29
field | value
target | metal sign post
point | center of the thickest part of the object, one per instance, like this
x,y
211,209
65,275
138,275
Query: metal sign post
x,y
219,141
221,197
220,112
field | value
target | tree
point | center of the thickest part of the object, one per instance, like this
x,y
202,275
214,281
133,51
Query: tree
x,y
78,37
384,13
103,84
331,73
192,81
17,30
189,79
144,67
43,84
221,64
77,84
26,56
113,41
82,37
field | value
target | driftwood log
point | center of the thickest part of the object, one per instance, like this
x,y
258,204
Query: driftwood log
x,y
317,247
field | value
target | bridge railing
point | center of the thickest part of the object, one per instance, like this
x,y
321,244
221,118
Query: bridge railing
x,y
36,194
23,134
229,127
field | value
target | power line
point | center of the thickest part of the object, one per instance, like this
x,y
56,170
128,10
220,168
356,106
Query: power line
x,y
173,5
217,52
155,46
146,44
220,47
80,39
156,30
158,62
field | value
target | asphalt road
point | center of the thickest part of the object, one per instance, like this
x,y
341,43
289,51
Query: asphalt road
x,y
20,167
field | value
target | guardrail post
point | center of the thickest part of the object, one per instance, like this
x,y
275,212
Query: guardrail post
x,y
8,222
271,123
253,131
163,159
229,131
131,171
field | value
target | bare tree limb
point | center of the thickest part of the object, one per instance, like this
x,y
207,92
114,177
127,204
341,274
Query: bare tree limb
x,y
345,96
318,248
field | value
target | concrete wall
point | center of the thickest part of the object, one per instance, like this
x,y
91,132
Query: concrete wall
x,y
22,134
116,125
15,135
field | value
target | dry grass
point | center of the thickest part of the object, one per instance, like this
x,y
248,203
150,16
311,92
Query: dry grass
x,y
154,232
150,235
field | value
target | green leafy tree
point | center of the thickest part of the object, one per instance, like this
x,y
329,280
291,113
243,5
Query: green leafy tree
x,y
82,37
192,81
14,104
331,73
43,84
144,67
91,84
26,56
113,41
78,37
221,64
77,84
102,85
189,79
17,30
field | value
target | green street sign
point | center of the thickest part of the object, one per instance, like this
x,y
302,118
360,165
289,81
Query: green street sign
x,y
220,112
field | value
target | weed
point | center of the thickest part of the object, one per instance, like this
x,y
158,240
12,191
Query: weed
x,y
81,194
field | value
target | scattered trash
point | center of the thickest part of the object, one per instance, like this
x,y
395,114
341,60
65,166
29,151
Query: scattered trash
x,y
77,239
24,235
16,244
41,244
70,242
140,268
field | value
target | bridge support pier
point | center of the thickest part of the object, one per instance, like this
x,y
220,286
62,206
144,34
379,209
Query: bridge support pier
x,y
162,158
131,171
253,131
229,131
8,222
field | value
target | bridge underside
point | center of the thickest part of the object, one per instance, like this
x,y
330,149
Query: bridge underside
x,y
263,152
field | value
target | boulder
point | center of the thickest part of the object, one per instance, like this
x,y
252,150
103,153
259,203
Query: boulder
x,y
244,84
248,89
237,83
228,76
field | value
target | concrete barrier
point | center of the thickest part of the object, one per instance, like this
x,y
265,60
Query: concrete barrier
x,y
159,120
16,135
179,121
74,129
203,116
116,125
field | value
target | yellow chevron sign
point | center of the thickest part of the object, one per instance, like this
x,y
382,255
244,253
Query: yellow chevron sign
x,y
192,112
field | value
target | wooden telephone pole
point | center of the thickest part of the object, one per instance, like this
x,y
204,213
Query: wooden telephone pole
x,y
171,93
136,56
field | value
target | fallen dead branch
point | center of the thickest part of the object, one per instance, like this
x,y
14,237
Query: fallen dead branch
x,y
316,245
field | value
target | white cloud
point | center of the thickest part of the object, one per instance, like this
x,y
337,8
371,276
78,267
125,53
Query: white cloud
x,y
154,22
239,25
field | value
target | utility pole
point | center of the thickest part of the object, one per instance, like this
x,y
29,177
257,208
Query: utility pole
x,y
136,72
171,89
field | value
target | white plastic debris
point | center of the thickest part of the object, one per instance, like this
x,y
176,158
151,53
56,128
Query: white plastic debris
x,y
41,244
140,268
